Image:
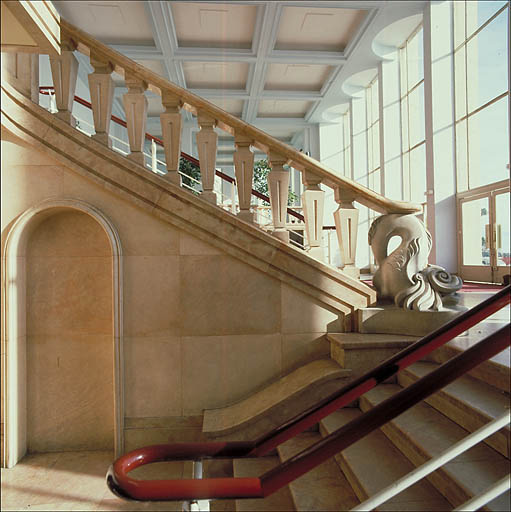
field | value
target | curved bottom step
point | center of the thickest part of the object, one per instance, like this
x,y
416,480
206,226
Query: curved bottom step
x,y
277,402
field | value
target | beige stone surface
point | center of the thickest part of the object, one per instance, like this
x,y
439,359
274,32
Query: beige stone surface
x,y
357,463
394,320
467,401
300,314
278,501
153,376
299,349
221,295
191,246
323,488
151,295
261,403
73,481
139,437
361,352
70,335
219,370
422,432
189,271
24,179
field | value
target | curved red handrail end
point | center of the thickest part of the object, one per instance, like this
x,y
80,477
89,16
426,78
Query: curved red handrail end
x,y
189,489
158,490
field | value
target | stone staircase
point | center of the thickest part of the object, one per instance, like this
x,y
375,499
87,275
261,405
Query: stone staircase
x,y
414,437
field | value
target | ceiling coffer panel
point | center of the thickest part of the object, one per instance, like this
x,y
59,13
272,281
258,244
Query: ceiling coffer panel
x,y
118,22
318,29
297,77
210,25
283,108
216,75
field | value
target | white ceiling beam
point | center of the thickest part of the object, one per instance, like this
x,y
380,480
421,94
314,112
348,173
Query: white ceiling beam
x,y
306,57
265,39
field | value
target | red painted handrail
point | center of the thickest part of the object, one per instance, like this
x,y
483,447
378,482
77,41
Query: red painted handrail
x,y
122,485
44,89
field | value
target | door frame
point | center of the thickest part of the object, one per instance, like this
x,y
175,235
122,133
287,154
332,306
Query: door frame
x,y
491,273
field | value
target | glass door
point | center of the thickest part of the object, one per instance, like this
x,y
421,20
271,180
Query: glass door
x,y
502,253
485,235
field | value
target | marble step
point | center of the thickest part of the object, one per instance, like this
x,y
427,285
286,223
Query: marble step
x,y
278,501
496,371
469,402
367,477
422,433
362,352
323,488
278,402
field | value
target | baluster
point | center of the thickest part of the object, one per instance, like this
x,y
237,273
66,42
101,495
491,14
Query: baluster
x,y
244,169
101,88
313,199
206,146
64,71
278,188
346,225
135,107
171,123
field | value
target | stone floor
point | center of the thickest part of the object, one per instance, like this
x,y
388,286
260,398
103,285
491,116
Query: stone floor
x,y
76,480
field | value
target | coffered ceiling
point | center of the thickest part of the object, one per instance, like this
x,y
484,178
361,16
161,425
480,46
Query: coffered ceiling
x,y
277,64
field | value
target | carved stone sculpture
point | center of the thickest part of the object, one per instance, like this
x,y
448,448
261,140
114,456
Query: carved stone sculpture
x,y
404,275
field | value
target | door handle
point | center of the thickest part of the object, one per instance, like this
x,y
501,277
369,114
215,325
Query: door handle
x,y
498,236
487,237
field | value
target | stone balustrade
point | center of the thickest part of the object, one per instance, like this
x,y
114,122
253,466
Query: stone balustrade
x,y
210,118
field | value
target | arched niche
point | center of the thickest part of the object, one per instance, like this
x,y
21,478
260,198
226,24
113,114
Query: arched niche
x,y
14,302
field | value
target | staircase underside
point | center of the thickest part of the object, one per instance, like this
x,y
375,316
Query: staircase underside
x,y
120,175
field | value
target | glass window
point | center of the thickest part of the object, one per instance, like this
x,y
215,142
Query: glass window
x,y
478,12
413,117
475,219
487,57
481,93
488,144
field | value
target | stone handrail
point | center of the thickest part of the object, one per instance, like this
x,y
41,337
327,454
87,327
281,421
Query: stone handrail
x,y
105,60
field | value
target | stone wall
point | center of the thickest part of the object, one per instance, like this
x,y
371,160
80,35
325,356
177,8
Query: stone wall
x,y
202,329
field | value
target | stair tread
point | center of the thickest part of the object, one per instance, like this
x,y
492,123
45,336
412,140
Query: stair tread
x,y
359,462
349,340
468,402
226,419
323,488
278,501
476,395
425,433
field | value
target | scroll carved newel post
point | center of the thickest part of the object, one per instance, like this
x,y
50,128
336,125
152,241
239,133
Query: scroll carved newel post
x,y
313,199
135,107
64,71
207,140
101,88
171,124
278,188
244,169
346,226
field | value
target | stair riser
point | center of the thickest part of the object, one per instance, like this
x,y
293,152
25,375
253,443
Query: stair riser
x,y
348,473
360,361
440,479
487,372
462,414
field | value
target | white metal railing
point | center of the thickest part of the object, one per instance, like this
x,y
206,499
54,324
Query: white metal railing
x,y
433,464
